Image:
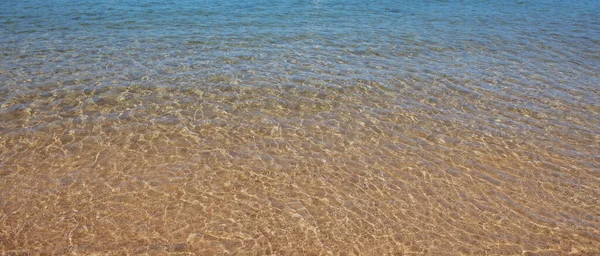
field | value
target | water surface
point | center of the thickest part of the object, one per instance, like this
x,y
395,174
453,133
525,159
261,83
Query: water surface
x,y
300,127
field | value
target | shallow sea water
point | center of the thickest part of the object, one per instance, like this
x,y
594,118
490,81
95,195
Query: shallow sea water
x,y
300,127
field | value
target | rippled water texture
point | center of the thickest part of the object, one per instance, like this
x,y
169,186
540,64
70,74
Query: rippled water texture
x,y
300,127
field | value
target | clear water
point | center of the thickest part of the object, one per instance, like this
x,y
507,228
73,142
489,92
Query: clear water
x,y
300,127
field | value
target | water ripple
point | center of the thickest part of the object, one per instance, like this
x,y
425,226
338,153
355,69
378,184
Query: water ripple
x,y
323,127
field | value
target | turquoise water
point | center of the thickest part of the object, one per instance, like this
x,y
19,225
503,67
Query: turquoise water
x,y
300,127
328,40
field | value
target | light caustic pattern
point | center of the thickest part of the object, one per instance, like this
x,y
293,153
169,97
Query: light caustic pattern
x,y
309,139
239,169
